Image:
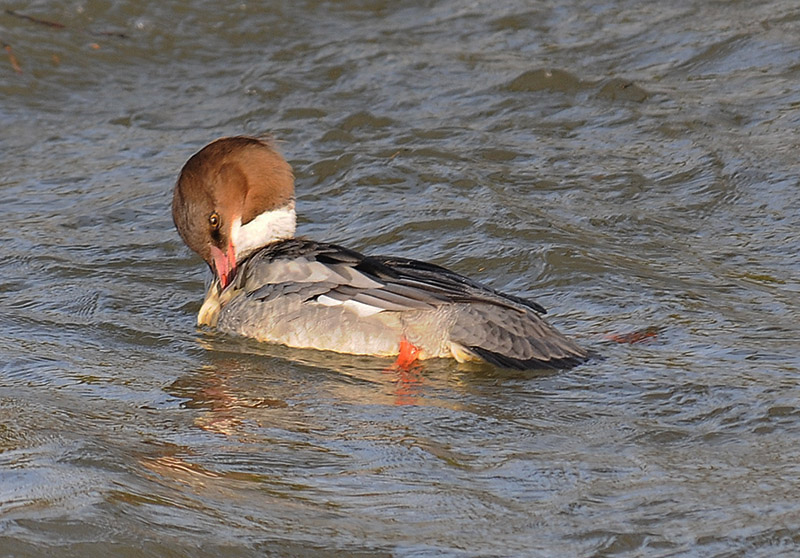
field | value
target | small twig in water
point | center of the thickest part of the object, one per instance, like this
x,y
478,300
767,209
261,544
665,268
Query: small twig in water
x,y
40,21
56,25
110,34
11,57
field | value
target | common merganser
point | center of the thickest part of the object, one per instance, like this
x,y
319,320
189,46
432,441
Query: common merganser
x,y
234,205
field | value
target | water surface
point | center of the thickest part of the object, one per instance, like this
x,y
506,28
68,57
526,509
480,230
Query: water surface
x,y
630,166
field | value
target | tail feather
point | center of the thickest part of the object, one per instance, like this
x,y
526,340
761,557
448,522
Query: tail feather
x,y
505,361
512,339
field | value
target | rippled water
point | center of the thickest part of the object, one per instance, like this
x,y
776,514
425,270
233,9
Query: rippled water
x,y
632,166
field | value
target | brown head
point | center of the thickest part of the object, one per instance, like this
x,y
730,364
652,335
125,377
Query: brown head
x,y
233,197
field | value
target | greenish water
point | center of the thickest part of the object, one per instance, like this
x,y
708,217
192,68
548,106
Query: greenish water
x,y
629,165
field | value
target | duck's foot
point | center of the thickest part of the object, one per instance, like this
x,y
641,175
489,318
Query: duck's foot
x,y
408,355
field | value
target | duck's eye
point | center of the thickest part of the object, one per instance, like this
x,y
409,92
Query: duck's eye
x,y
214,221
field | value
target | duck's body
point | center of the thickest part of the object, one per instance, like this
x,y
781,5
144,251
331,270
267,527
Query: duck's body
x,y
316,295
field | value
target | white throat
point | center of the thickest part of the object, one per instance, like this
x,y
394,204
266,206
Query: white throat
x,y
270,226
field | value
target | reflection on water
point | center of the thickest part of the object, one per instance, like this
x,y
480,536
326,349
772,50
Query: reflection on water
x,y
631,166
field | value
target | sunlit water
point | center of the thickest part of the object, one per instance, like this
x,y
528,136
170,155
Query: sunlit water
x,y
631,165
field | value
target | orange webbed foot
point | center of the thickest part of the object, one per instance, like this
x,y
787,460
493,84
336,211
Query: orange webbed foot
x,y
409,353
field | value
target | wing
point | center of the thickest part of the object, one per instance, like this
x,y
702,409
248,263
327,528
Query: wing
x,y
332,275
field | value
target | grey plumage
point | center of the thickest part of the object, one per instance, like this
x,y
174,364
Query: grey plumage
x,y
379,293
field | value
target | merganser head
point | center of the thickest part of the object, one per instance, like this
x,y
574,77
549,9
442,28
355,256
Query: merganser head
x,y
233,197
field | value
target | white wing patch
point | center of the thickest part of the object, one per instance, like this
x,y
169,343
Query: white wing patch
x,y
361,309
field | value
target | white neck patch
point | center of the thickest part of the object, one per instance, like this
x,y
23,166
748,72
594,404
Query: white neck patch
x,y
268,227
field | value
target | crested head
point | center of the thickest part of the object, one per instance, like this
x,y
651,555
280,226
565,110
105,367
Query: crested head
x,y
233,197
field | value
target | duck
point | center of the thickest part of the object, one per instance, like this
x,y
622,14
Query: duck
x,y
234,205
